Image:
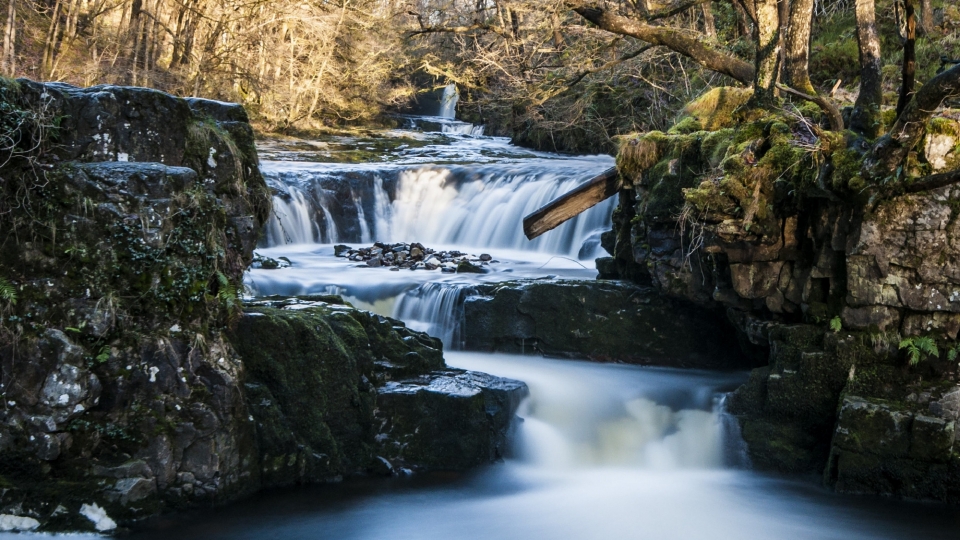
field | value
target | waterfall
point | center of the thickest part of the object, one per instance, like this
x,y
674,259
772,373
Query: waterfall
x,y
480,206
735,451
435,308
584,415
448,101
462,128
291,221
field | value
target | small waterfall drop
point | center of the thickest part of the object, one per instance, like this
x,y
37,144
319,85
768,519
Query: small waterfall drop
x,y
583,415
291,221
448,101
435,308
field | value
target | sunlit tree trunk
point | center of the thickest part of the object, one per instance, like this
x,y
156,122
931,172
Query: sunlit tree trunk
x,y
767,66
926,16
9,64
866,111
797,45
50,43
709,24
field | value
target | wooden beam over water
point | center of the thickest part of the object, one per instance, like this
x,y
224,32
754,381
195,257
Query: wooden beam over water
x,y
568,206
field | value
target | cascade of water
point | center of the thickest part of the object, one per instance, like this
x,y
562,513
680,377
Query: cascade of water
x,y
584,415
291,221
462,128
462,206
485,208
735,451
435,308
448,101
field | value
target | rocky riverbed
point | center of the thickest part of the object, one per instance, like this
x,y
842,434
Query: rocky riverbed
x,y
416,257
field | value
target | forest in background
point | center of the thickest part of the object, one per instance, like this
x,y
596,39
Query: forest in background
x,y
531,69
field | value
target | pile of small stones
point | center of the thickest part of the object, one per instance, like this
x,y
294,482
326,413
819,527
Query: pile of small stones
x,y
415,257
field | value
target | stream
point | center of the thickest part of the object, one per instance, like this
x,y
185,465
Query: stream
x,y
602,451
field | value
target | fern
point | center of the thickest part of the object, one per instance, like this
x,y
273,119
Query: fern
x,y
8,292
953,353
227,293
917,346
835,324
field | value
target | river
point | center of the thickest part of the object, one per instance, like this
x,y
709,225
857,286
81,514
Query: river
x,y
601,451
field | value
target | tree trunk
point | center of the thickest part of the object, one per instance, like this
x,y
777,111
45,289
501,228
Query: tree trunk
x,y
50,43
9,64
676,40
709,23
767,35
926,16
797,44
866,111
909,55
743,20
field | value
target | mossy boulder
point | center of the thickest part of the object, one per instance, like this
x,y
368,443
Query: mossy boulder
x,y
337,391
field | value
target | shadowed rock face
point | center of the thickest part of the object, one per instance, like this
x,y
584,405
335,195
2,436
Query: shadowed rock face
x,y
133,383
603,321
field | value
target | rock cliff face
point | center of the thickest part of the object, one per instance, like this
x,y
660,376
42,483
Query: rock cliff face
x,y
133,381
855,305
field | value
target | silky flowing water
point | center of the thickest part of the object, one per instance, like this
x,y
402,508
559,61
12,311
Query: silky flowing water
x,y
600,451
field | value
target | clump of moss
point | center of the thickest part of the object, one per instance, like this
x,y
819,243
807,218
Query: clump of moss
x,y
639,152
715,108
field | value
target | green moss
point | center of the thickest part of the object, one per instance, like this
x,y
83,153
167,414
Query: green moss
x,y
715,108
846,170
716,144
939,125
688,124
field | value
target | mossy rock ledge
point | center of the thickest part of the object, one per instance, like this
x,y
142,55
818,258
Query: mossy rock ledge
x,y
134,380
761,214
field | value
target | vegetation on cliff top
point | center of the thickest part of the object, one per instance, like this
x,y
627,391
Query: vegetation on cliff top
x,y
558,75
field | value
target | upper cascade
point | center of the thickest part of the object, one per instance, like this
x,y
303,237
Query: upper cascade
x,y
462,204
448,101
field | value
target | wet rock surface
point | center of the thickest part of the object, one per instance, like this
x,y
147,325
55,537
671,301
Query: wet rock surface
x,y
415,257
604,320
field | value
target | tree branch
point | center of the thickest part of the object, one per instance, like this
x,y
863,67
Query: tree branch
x,y
609,64
674,10
833,114
686,44
933,182
458,30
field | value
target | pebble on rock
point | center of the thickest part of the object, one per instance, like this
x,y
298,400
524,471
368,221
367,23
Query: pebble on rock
x,y
415,257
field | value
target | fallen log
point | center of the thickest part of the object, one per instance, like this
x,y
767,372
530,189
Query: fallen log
x,y
568,206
